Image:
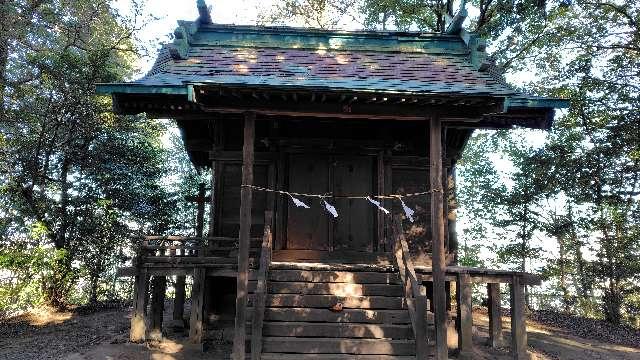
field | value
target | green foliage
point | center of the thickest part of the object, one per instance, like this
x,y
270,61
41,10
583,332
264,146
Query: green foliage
x,y
25,273
74,178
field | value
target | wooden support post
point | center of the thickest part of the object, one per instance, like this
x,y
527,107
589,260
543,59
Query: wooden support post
x,y
178,302
380,215
495,316
518,321
212,197
196,323
465,316
138,318
159,287
437,238
200,213
239,335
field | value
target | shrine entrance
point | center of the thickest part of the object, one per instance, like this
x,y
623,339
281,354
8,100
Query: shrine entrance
x,y
315,229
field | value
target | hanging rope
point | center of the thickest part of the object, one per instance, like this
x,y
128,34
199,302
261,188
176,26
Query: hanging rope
x,y
330,195
334,212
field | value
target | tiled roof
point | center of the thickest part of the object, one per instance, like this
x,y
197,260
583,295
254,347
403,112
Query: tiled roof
x,y
423,73
284,58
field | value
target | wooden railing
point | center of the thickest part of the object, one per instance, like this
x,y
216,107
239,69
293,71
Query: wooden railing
x,y
414,292
185,249
261,289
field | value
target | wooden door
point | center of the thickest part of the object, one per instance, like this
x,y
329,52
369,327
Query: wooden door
x,y
354,228
308,229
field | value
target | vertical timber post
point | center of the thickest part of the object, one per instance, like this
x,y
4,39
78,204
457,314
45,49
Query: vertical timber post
x,y
495,316
239,335
465,316
196,322
139,319
178,302
518,321
159,286
437,237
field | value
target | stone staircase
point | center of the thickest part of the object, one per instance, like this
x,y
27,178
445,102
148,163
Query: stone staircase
x,y
374,322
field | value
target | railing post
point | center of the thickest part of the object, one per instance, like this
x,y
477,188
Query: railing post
x,y
261,288
422,346
518,320
495,316
414,292
138,318
138,330
465,316
159,286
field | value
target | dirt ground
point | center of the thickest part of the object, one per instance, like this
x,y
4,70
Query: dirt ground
x,y
103,336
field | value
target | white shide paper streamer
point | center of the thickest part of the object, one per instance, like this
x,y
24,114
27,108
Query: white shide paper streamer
x,y
377,203
332,210
407,210
299,203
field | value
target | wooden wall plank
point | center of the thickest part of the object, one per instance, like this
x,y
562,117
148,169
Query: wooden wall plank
x,y
354,230
308,229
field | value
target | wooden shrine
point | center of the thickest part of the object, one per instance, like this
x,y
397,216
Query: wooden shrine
x,y
275,113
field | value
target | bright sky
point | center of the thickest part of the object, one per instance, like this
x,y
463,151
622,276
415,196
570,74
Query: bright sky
x,y
169,12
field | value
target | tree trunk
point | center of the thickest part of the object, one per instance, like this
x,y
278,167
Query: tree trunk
x,y
563,274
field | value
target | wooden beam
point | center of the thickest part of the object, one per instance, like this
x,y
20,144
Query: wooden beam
x,y
465,317
138,318
196,323
495,316
239,336
518,321
437,238
159,286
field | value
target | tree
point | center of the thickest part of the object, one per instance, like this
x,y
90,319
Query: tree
x,y
69,166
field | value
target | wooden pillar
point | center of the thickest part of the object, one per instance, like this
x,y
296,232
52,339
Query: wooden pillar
x,y
465,316
495,316
380,215
138,318
518,321
159,287
200,213
437,238
196,322
239,335
214,182
178,302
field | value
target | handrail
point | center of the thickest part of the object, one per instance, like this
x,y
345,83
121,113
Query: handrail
x,y
414,292
190,238
261,288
